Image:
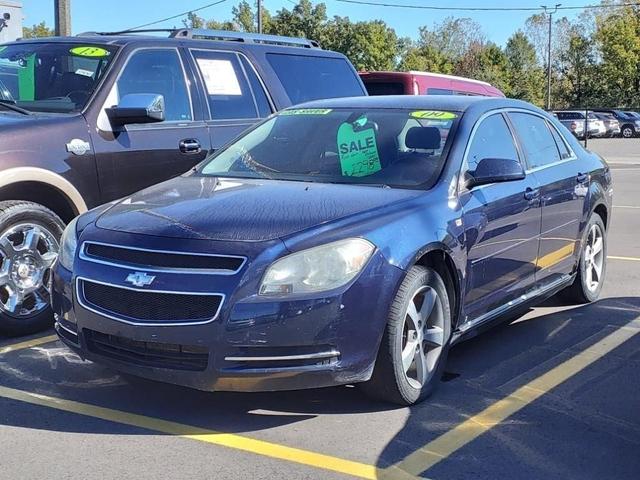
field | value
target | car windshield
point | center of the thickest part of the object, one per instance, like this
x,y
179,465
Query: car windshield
x,y
399,148
51,77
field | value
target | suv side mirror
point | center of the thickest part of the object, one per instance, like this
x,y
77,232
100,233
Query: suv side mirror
x,y
137,108
494,170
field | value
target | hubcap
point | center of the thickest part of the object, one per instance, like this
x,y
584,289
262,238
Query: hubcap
x,y
423,336
627,133
594,258
27,252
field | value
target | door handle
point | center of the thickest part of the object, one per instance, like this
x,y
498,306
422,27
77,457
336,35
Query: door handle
x,y
532,194
582,178
190,145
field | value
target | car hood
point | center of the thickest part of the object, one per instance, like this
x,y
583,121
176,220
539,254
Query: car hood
x,y
210,208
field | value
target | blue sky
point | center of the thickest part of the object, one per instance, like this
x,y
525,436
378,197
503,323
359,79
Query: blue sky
x,y
110,15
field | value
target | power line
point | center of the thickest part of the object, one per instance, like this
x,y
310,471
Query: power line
x,y
482,9
178,15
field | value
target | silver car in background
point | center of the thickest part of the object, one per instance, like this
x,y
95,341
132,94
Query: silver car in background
x,y
595,126
611,123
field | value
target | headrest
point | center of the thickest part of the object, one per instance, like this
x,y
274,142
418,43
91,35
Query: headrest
x,y
423,138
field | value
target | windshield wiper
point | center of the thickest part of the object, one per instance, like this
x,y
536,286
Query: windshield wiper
x,y
11,105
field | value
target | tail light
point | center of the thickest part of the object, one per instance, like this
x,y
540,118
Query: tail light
x,y
416,88
574,125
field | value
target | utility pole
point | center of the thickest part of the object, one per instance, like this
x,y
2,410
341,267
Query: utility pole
x,y
259,16
547,11
62,17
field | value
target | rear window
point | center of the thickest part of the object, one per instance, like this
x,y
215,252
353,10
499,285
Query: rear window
x,y
384,88
307,78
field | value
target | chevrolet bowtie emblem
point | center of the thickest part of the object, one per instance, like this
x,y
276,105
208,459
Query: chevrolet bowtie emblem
x,y
140,279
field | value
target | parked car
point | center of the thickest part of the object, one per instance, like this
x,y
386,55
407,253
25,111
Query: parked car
x,y
595,126
611,124
338,242
93,118
576,127
629,126
425,83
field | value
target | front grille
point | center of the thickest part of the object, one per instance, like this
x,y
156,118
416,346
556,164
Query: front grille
x,y
166,260
148,354
149,306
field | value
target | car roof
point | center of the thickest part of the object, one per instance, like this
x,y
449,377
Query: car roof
x,y
239,41
458,103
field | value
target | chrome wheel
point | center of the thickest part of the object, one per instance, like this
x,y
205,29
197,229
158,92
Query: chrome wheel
x,y
423,336
27,251
594,258
627,132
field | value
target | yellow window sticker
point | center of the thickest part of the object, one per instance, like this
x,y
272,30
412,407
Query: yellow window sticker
x,y
306,111
88,51
433,115
357,150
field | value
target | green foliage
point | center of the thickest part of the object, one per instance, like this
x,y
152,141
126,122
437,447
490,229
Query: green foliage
x,y
594,60
36,31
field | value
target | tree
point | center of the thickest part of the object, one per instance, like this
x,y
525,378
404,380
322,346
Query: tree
x,y
618,36
194,21
452,37
370,45
582,84
486,62
247,19
38,30
525,75
426,59
304,20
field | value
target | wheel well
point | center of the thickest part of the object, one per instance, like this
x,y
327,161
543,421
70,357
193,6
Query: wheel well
x,y
602,211
41,193
441,262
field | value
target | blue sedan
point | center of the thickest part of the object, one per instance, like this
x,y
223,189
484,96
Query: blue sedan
x,y
342,241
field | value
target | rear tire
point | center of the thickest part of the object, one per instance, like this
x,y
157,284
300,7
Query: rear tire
x,y
29,244
627,132
592,265
415,343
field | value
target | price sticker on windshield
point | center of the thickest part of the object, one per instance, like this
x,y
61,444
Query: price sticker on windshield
x,y
433,115
306,111
89,51
358,150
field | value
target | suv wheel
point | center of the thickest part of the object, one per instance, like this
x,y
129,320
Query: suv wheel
x,y
415,344
592,265
29,244
628,131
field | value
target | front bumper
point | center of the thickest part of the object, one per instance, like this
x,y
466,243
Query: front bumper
x,y
254,344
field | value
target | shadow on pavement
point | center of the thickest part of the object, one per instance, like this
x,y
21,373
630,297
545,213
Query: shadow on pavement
x,y
592,415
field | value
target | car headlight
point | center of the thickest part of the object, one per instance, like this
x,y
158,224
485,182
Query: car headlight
x,y
317,269
68,245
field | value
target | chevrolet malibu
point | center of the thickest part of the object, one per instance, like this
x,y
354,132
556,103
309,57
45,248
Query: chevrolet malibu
x,y
339,242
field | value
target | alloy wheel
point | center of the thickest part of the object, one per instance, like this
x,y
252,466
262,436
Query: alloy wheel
x,y
27,252
423,336
594,257
627,132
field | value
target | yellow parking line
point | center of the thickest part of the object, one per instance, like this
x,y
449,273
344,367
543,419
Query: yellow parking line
x,y
28,344
453,440
628,259
237,442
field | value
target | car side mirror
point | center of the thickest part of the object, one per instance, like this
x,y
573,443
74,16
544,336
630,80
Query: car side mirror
x,y
137,108
494,170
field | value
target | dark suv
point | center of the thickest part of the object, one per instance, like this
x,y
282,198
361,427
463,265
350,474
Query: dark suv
x,y
89,119
629,125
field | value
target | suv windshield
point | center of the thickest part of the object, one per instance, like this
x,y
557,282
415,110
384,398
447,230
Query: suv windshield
x,y
51,77
401,148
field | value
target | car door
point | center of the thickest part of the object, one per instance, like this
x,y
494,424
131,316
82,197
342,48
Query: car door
x,y
563,189
501,223
139,155
235,96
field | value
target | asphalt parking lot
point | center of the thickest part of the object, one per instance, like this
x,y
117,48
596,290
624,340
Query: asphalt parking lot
x,y
554,394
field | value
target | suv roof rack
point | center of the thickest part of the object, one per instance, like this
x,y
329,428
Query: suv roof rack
x,y
219,35
230,36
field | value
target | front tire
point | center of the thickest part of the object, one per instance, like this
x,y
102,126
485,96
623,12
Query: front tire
x,y
416,341
592,265
628,132
29,244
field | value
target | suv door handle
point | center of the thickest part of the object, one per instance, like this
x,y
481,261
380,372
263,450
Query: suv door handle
x,y
190,145
532,193
582,178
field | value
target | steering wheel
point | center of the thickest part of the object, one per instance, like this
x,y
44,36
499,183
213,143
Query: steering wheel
x,y
5,93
